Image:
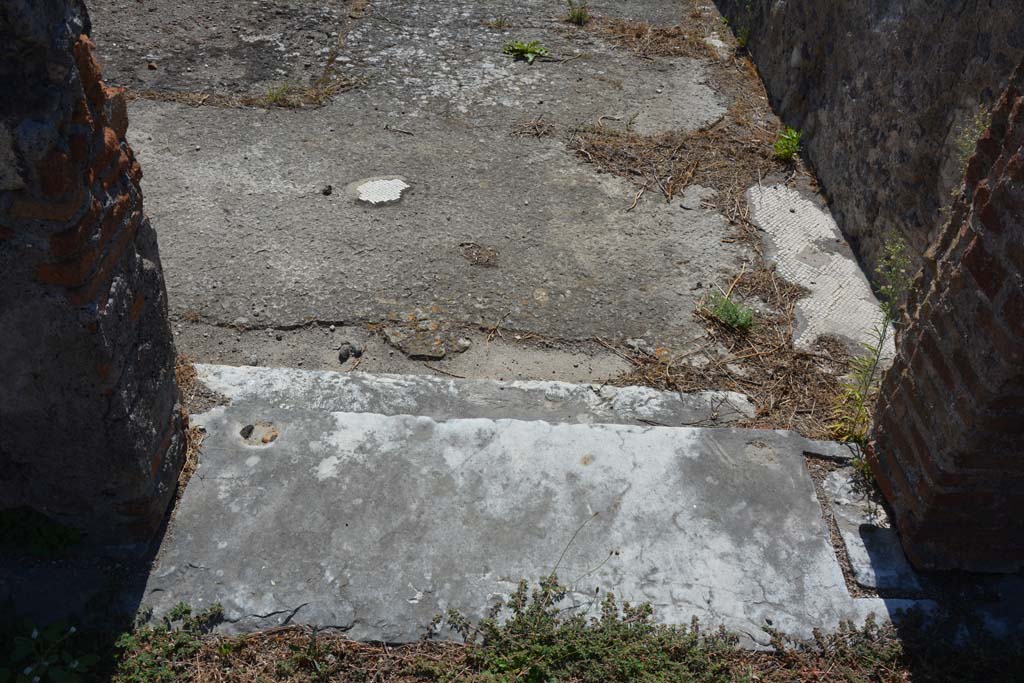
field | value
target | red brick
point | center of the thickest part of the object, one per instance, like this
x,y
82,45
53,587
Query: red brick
x,y
82,114
115,216
70,242
109,147
89,70
115,110
1013,310
135,172
26,208
115,172
56,174
73,273
986,270
87,293
989,218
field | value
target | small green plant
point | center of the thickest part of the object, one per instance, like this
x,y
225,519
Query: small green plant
x,y
540,639
731,314
788,144
743,22
579,12
500,23
854,405
46,655
969,132
529,52
743,37
280,96
158,653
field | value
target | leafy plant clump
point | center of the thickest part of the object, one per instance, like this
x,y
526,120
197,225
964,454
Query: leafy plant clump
x,y
731,314
49,655
280,96
855,403
528,52
540,640
579,12
743,37
160,653
788,144
969,132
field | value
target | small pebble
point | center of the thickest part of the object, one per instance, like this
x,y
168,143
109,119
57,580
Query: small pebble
x,y
327,190
349,350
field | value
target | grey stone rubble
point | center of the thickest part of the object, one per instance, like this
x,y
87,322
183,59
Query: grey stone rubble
x,y
363,517
872,545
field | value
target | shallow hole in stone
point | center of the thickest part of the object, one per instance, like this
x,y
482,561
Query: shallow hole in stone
x,y
259,433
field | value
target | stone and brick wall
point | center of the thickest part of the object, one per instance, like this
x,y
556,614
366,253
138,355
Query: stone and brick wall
x,y
882,91
949,450
90,424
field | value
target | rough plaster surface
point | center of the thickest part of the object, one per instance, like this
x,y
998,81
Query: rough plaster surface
x,y
806,247
375,523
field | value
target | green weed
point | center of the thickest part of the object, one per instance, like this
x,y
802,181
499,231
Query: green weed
x,y
500,23
159,653
743,37
853,411
280,96
968,134
535,638
579,12
731,314
529,52
788,144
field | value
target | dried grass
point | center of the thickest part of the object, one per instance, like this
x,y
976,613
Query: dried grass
x,y
791,389
283,96
294,654
536,127
650,41
188,382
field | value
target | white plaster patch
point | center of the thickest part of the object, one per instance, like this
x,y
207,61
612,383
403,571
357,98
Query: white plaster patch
x,y
252,461
808,249
328,468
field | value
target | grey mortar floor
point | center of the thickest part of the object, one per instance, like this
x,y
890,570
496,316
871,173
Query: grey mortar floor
x,y
259,262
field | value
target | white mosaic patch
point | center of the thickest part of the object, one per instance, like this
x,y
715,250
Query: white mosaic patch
x,y
382,190
807,248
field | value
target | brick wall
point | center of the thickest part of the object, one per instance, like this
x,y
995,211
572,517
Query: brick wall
x,y
90,426
949,450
